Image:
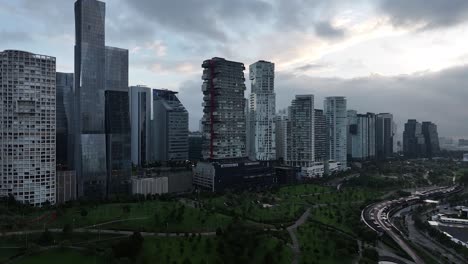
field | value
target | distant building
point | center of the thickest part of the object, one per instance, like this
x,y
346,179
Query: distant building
x,y
146,186
169,127
431,138
287,175
361,136
414,145
66,186
140,119
320,136
262,111
27,127
195,146
384,133
465,157
281,125
463,142
337,121
64,119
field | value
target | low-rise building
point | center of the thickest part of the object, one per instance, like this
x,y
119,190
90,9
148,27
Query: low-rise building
x,y
146,186
66,186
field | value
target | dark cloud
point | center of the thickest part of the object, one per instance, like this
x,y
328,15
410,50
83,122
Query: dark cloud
x,y
200,17
8,37
325,30
431,96
310,66
428,13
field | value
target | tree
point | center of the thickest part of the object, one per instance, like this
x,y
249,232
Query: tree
x,y
46,238
67,230
83,212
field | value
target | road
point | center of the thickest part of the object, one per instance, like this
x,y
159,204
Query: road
x,y
292,232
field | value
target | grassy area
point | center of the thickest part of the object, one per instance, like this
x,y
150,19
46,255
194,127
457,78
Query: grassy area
x,y
322,246
150,216
59,256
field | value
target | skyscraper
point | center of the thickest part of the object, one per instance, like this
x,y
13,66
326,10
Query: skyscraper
x,y
224,125
140,117
320,134
262,111
414,145
361,135
431,138
281,133
300,142
27,127
384,132
169,135
101,80
64,112
335,113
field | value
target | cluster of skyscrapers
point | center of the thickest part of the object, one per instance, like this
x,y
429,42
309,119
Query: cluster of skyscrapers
x,y
420,140
69,135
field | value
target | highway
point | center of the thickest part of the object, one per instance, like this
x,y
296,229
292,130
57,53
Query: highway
x,y
376,216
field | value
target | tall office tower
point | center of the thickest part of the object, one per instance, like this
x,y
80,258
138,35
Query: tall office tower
x,y
384,132
371,135
358,136
414,145
64,124
224,125
263,109
27,127
300,142
335,113
140,118
102,137
320,134
280,135
170,127
431,138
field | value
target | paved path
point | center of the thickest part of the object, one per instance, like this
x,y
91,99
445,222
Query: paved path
x,y
292,232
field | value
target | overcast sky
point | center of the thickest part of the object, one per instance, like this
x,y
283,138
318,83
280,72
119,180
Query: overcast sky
x,y
407,57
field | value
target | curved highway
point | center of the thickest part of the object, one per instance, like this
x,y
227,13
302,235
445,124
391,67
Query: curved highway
x,y
376,216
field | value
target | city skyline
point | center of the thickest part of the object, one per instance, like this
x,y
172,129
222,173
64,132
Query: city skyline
x,y
344,52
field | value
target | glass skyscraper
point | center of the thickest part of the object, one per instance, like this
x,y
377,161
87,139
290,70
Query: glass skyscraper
x,y
97,69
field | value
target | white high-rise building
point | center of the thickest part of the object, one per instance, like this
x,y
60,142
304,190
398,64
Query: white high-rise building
x,y
27,127
337,122
262,111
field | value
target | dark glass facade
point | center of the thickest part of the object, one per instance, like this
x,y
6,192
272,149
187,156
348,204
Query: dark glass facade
x,y
97,69
64,122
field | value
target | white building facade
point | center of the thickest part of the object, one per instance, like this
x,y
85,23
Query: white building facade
x,y
262,111
27,127
337,123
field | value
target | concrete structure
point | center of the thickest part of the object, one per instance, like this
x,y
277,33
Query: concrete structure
x,y
336,116
384,133
224,122
320,136
231,174
27,127
146,186
281,125
431,138
462,142
140,122
169,132
465,157
102,137
414,144
287,175
66,186
262,111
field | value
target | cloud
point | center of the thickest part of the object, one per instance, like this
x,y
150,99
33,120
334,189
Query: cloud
x,y
311,66
425,14
325,30
14,36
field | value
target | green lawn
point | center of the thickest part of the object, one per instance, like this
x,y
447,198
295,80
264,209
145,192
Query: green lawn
x,y
67,256
153,216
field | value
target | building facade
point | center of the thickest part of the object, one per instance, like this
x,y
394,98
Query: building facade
x,y
27,127
224,122
195,146
431,138
66,186
147,186
384,133
361,136
262,111
169,134
337,123
64,120
281,126
320,134
414,144
140,119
